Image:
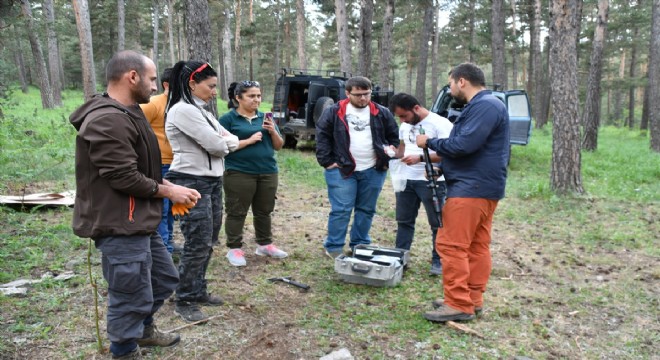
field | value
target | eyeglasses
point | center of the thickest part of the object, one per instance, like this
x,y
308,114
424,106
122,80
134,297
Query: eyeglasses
x,y
199,69
250,83
363,95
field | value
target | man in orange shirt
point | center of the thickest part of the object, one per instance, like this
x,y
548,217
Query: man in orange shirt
x,y
154,111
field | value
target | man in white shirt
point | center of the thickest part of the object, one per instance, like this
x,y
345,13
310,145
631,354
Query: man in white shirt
x,y
413,116
350,140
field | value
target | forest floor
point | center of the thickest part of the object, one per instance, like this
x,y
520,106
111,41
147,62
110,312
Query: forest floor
x,y
548,297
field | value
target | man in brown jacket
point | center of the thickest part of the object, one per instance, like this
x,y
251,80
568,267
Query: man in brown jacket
x,y
119,201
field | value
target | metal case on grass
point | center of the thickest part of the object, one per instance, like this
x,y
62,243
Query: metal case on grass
x,y
373,265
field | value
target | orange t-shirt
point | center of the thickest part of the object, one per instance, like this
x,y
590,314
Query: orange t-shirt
x,y
154,111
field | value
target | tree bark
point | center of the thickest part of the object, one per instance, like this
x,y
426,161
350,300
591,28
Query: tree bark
x,y
472,48
20,62
251,43
386,49
566,157
366,19
632,73
156,22
287,34
410,64
53,53
343,37
423,57
86,50
434,56
654,77
121,25
300,31
536,69
39,62
618,94
545,88
644,123
170,30
237,41
591,114
226,48
497,41
198,37
514,47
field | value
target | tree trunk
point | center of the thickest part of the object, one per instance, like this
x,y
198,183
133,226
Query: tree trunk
x,y
53,53
366,20
156,22
654,77
591,114
618,94
222,73
514,47
20,62
343,37
287,35
632,74
434,56
278,49
39,61
386,49
251,43
238,60
121,25
536,69
410,62
545,88
86,50
497,40
300,30
226,48
198,37
566,161
472,47
644,123
422,60
170,31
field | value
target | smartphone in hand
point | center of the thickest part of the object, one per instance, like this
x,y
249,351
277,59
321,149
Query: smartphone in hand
x,y
268,119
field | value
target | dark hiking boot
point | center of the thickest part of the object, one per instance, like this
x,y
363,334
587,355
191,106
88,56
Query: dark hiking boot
x,y
153,337
210,300
134,354
438,303
189,312
446,313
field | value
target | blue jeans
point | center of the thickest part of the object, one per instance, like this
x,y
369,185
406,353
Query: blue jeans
x,y
166,226
357,192
407,207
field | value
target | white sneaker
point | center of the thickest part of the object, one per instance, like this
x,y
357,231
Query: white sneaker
x,y
270,250
236,257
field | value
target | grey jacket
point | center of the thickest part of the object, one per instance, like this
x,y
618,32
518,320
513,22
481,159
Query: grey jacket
x,y
199,142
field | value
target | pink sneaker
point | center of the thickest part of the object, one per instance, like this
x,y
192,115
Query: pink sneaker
x,y
270,250
236,257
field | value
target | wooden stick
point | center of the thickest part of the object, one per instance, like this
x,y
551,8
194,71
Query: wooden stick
x,y
191,324
464,329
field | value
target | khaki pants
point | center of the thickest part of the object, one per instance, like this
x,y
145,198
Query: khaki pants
x,y
464,247
243,191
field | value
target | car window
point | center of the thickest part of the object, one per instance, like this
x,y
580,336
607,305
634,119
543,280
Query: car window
x,y
518,105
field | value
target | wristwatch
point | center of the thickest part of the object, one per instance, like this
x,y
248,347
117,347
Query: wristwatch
x,y
421,158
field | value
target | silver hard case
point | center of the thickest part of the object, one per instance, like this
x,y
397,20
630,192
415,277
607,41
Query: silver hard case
x,y
362,269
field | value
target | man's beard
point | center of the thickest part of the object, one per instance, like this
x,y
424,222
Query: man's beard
x,y
142,93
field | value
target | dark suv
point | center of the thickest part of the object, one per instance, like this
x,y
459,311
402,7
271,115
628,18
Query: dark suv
x,y
301,96
516,101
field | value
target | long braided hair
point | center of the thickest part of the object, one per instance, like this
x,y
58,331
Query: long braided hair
x,y
182,73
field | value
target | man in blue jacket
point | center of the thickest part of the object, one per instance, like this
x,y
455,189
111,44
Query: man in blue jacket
x,y
474,159
350,141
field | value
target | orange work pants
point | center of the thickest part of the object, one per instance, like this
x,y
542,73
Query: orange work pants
x,y
464,247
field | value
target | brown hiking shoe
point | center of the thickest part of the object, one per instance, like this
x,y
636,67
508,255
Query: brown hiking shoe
x,y
153,337
210,300
446,313
438,303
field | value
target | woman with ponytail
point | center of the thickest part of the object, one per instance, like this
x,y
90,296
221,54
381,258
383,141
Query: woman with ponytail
x,y
199,145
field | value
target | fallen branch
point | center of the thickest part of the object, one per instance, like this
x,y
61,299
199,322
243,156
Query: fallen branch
x,y
465,329
191,324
